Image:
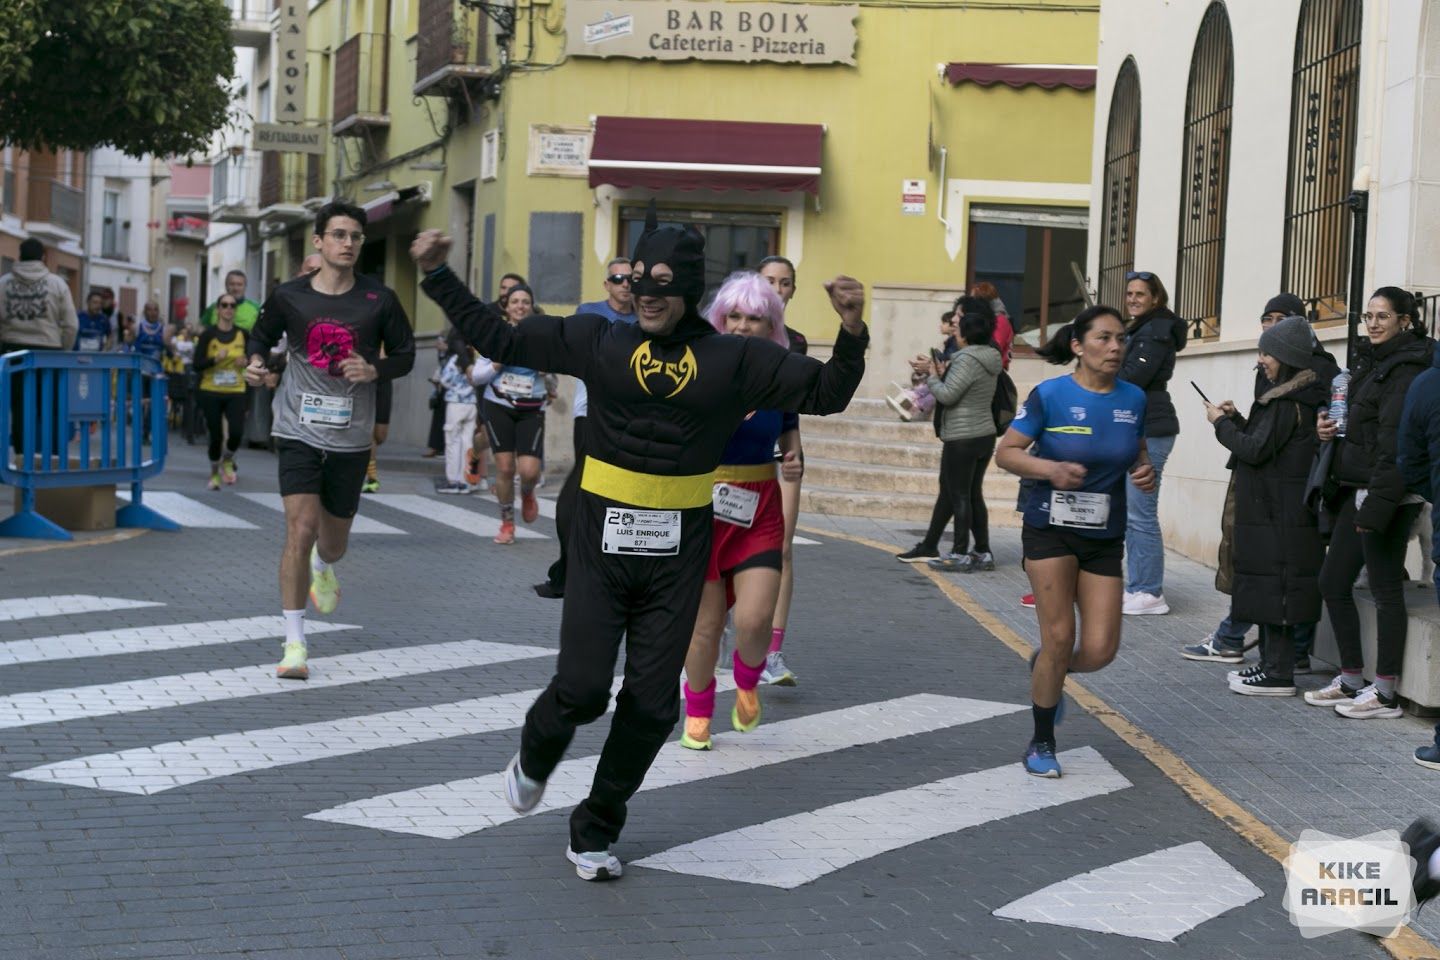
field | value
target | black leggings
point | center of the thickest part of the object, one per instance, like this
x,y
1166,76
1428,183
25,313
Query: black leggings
x,y
962,494
1382,553
230,407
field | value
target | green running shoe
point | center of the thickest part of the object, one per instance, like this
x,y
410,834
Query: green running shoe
x,y
293,666
324,587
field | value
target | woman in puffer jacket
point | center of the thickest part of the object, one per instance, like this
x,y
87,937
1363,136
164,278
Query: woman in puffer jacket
x,y
1277,549
1374,511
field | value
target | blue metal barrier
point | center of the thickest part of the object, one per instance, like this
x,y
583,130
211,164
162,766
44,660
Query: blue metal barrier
x,y
64,395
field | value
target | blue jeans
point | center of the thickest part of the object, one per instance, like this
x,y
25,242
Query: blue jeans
x,y
1144,550
1231,633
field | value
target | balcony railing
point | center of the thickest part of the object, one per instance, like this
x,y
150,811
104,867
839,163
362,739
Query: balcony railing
x,y
229,183
57,203
361,102
250,21
289,179
450,48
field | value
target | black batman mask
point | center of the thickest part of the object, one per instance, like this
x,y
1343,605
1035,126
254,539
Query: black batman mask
x,y
680,249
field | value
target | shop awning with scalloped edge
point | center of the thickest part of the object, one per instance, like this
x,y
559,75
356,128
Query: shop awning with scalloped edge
x,y
659,154
1020,75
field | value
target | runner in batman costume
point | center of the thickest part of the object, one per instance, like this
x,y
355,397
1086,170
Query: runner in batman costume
x,y
666,393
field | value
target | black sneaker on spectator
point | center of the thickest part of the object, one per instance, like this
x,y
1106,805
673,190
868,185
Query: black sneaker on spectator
x,y
1423,840
1212,650
918,554
1263,686
1245,674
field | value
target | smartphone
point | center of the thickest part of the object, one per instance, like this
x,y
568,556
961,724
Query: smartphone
x,y
1201,392
936,355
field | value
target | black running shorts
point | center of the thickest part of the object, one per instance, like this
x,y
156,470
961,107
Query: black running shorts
x,y
521,432
335,476
1102,557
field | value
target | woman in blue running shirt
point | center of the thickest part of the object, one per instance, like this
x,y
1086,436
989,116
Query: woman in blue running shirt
x,y
513,409
1077,438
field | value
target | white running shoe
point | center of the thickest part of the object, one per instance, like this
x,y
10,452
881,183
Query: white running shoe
x,y
1369,705
1145,604
521,792
1329,695
776,671
595,865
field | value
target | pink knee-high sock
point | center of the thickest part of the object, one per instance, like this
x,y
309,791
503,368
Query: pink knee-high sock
x,y
700,704
777,639
746,676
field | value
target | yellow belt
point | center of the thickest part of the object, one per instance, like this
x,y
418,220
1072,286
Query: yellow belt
x,y
646,489
745,472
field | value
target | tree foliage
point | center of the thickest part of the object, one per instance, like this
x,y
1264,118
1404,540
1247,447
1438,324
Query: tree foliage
x,y
145,76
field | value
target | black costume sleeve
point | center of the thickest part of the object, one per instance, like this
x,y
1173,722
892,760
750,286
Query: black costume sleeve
x,y
773,378
399,341
268,329
203,360
541,342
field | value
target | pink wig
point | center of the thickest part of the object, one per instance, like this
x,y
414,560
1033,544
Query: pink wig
x,y
751,294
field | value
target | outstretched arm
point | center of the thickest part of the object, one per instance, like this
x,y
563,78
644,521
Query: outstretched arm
x,y
774,378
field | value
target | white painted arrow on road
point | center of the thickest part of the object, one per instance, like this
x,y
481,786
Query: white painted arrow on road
x,y
63,605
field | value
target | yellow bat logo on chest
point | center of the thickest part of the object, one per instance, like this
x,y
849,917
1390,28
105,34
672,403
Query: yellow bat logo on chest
x,y
679,372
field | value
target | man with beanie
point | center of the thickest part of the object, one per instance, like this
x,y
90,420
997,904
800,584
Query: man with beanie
x,y
666,393
1226,644
36,313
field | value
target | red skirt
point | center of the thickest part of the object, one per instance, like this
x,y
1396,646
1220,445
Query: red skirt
x,y
734,547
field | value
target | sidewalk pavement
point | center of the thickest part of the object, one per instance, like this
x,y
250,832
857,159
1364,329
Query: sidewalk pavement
x,y
1295,766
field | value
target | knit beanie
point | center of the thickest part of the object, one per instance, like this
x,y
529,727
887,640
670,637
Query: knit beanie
x,y
1289,341
1286,303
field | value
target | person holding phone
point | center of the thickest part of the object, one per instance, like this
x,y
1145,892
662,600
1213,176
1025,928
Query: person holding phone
x,y
1277,548
1080,441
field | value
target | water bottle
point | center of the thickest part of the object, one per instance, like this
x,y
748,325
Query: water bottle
x,y
1339,401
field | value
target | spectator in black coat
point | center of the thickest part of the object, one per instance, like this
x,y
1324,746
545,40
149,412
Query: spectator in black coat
x,y
1154,335
1419,458
1278,552
1373,510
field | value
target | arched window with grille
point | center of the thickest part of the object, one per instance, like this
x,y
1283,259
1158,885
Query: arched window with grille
x,y
1205,182
1122,175
1324,107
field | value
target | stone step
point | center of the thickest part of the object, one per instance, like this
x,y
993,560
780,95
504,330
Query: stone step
x,y
916,507
844,426
882,478
924,455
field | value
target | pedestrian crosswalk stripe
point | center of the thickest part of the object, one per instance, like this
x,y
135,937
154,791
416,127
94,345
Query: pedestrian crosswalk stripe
x,y
148,770
104,643
467,521
28,608
800,541
1158,896
795,850
547,508
189,512
155,693
461,807
361,524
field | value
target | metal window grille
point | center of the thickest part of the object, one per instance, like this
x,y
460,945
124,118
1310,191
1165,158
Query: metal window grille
x,y
1324,108
1200,271
1122,176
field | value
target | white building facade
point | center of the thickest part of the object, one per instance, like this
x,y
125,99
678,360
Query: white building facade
x,y
118,227
1234,142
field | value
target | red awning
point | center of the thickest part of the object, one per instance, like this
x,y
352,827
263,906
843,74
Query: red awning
x,y
705,154
1019,75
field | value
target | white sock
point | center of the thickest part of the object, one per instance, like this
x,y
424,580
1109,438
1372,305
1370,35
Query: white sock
x,y
316,564
294,626
1435,864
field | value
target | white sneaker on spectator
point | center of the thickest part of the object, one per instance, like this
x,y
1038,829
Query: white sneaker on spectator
x,y
1369,705
1145,604
1335,692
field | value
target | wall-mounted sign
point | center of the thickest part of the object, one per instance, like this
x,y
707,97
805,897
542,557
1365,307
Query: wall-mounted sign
x,y
559,151
912,197
690,30
290,60
290,138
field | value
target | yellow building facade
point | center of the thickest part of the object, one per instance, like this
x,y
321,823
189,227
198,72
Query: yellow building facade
x,y
482,122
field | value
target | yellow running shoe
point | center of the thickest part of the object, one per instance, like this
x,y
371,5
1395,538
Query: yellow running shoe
x,y
745,716
324,587
697,733
293,665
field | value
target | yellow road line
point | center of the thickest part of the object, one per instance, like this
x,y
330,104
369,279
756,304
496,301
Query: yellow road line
x,y
1405,945
116,537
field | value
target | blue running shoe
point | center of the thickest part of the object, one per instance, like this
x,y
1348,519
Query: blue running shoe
x,y
1059,704
1040,760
